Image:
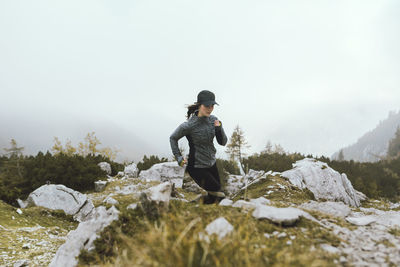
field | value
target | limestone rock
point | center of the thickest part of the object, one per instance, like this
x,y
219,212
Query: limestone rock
x,y
220,226
99,185
282,216
338,209
110,200
21,263
244,204
226,202
132,206
260,201
155,200
165,171
235,183
131,171
60,197
323,181
105,166
83,236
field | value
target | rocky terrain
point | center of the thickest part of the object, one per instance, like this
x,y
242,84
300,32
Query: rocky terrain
x,y
309,215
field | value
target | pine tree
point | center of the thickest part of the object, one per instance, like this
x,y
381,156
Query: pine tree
x,y
341,156
237,145
14,154
268,148
394,145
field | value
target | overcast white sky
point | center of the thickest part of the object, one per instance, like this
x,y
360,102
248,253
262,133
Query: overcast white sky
x,y
312,76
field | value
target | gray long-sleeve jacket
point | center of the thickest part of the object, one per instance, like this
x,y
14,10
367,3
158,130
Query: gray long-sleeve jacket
x,y
200,132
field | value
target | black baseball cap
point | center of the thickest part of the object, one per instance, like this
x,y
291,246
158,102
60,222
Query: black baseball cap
x,y
207,98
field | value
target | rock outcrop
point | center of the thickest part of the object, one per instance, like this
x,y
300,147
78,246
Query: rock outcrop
x,y
83,236
105,166
165,171
131,171
155,200
323,181
60,197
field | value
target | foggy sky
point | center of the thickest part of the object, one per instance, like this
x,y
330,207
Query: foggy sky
x,y
312,76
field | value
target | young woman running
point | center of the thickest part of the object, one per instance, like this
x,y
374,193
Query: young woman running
x,y
200,129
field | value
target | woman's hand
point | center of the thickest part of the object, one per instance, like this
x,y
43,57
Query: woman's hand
x,y
217,123
183,162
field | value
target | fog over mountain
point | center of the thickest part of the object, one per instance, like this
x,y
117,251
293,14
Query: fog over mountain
x,y
310,76
374,144
37,134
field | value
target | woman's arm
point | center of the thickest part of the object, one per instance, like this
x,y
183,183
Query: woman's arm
x,y
220,134
179,132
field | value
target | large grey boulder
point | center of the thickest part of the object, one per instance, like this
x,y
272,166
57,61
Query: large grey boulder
x,y
83,236
105,166
131,171
323,181
60,197
165,171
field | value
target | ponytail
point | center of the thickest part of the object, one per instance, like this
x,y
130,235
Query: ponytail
x,y
192,109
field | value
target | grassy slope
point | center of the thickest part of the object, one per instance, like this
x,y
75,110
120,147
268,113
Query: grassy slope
x,y
173,239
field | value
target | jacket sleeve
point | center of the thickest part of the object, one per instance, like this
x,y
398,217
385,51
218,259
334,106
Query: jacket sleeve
x,y
220,135
179,132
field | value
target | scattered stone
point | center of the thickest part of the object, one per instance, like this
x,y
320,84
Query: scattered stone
x,y
120,174
99,185
220,226
26,246
42,243
110,200
330,249
323,181
83,237
338,209
282,216
244,204
361,221
226,202
21,263
19,211
260,201
267,235
105,166
281,235
131,171
132,206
